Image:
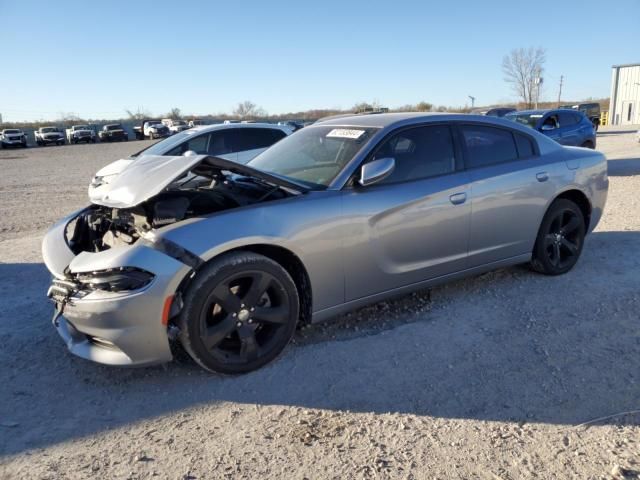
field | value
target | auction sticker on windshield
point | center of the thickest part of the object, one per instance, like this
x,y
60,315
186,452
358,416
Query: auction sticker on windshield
x,y
345,133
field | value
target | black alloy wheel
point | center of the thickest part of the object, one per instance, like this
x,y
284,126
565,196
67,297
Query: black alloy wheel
x,y
560,239
239,314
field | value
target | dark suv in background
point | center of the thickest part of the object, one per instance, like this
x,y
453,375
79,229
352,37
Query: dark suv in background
x,y
112,132
591,111
567,127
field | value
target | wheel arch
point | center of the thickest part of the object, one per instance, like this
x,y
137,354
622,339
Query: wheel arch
x,y
281,255
578,197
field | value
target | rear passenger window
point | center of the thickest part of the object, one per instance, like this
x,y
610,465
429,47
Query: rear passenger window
x,y
252,138
525,145
419,152
567,119
488,145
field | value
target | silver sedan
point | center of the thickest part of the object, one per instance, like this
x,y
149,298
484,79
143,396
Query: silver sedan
x,y
227,259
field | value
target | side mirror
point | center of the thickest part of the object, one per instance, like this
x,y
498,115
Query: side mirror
x,y
376,170
547,127
189,153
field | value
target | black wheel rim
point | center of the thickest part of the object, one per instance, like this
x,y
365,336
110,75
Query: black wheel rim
x,y
244,317
563,240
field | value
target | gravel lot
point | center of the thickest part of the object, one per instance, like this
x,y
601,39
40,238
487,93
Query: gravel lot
x,y
493,377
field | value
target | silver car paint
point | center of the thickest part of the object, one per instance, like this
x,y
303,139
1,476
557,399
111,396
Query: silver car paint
x,y
357,244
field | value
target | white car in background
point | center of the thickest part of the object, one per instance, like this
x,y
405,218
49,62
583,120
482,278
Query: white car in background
x,y
236,142
10,137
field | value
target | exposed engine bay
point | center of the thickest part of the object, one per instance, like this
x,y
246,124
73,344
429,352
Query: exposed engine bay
x,y
202,191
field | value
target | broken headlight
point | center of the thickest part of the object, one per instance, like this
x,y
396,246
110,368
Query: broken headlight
x,y
115,280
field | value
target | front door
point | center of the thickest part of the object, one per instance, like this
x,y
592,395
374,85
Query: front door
x,y
413,225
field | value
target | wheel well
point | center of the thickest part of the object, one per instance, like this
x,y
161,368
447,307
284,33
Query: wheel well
x,y
580,199
294,267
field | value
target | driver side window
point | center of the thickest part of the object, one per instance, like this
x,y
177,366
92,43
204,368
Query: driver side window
x,y
196,144
420,152
551,121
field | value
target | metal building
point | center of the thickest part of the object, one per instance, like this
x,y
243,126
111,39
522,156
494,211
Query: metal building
x,y
625,95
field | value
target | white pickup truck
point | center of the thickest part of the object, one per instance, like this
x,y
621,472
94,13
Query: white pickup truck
x,y
175,126
47,135
81,133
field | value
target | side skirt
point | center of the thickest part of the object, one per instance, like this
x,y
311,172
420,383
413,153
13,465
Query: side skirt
x,y
327,313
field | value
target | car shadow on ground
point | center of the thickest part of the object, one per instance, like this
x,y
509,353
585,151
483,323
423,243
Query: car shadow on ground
x,y
478,355
624,167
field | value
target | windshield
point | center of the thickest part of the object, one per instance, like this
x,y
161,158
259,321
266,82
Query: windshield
x,y
315,155
11,131
160,148
48,129
178,122
527,119
114,127
81,127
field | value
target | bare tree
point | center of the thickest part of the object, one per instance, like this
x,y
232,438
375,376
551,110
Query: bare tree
x,y
424,107
248,109
174,114
139,114
521,68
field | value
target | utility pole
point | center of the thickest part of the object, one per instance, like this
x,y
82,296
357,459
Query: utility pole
x,y
473,100
560,90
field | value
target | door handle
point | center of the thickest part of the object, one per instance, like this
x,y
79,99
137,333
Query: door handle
x,y
458,198
542,176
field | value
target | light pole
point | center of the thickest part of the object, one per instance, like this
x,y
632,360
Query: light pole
x,y
473,101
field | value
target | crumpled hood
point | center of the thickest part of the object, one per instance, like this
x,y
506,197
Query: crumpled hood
x,y
114,168
149,175
143,178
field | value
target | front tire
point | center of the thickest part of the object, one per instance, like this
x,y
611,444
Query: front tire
x,y
239,314
560,239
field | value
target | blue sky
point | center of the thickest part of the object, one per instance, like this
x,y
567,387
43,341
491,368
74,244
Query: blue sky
x,y
96,59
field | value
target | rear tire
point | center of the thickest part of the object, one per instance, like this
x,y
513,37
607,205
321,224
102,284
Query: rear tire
x,y
588,144
560,239
239,314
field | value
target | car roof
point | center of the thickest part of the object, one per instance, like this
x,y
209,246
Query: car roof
x,y
223,126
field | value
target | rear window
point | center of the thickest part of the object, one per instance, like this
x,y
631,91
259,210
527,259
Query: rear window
x,y
525,145
488,145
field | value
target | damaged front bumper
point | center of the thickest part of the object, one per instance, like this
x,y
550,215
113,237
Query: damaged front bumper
x,y
127,327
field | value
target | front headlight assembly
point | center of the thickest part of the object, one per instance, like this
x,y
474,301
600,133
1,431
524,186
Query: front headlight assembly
x,y
115,280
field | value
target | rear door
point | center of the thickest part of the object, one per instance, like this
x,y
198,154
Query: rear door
x,y
510,186
413,225
569,128
249,142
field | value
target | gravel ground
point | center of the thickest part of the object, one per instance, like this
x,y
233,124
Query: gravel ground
x,y
503,376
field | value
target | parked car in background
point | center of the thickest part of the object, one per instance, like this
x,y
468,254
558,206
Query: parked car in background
x,y
567,127
293,124
234,142
151,129
13,137
591,110
81,133
49,135
113,132
177,126
196,123
229,258
494,112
